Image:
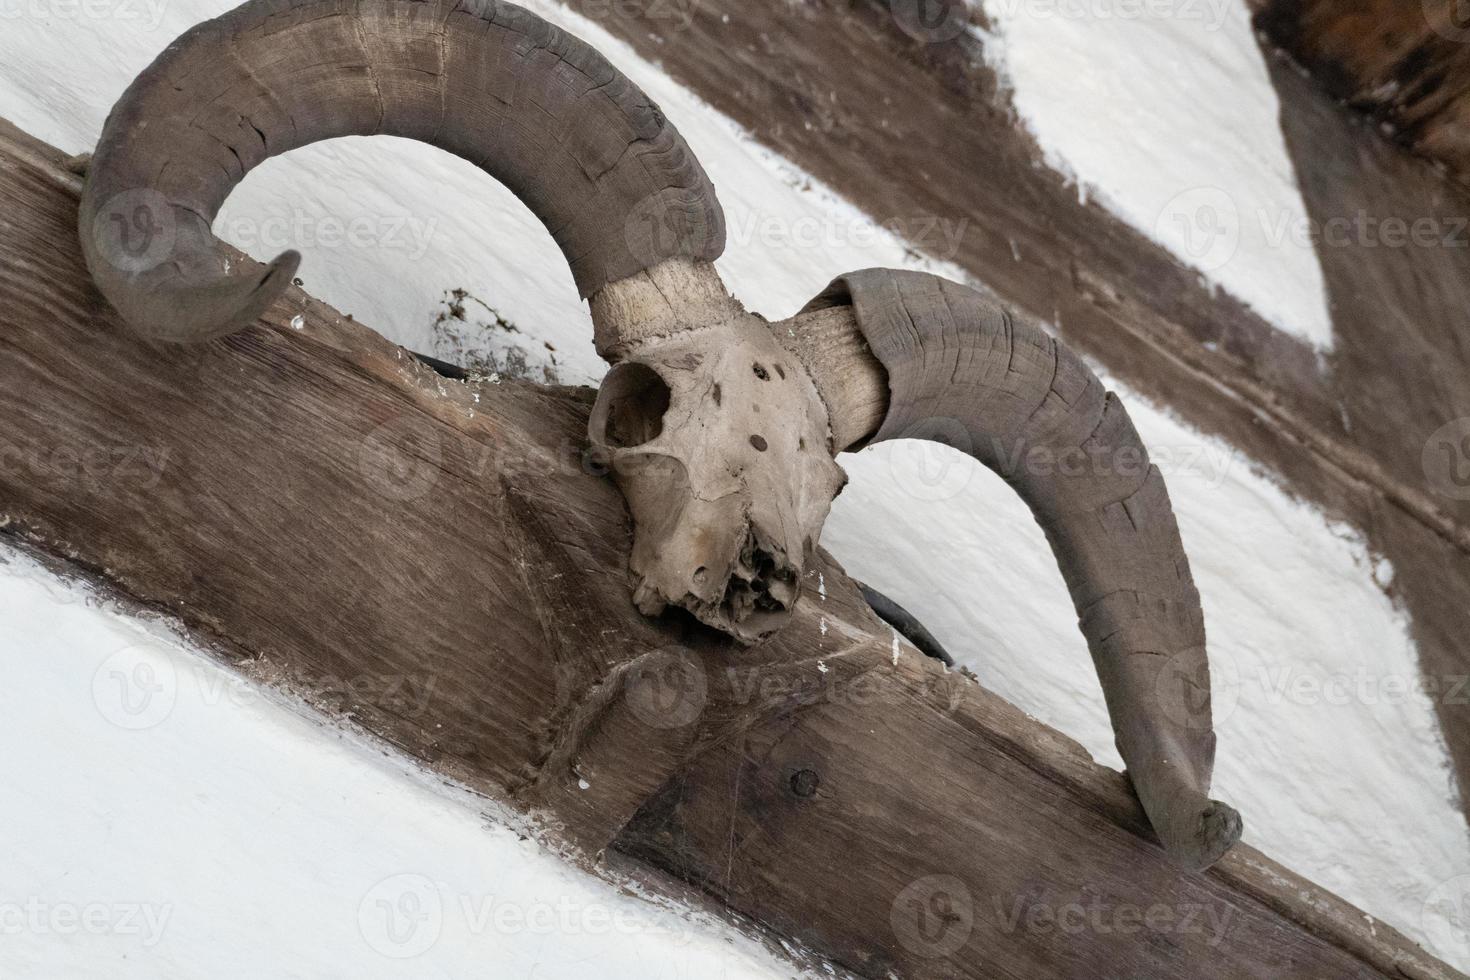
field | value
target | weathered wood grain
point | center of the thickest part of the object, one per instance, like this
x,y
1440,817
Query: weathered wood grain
x,y
922,136
323,505
1406,63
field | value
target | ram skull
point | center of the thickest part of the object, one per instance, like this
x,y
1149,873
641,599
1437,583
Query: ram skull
x,y
720,443
720,428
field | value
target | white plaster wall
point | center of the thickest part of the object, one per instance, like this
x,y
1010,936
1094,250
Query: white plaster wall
x,y
1164,112
1356,795
166,819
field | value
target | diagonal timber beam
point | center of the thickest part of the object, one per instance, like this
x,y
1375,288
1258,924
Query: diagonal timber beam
x,y
317,503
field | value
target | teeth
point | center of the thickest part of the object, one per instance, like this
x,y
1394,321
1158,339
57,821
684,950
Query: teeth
x,y
783,591
756,596
759,583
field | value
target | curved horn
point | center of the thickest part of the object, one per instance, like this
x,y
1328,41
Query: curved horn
x,y
952,365
533,106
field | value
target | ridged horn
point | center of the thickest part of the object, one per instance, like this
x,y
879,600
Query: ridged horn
x,y
533,106
907,355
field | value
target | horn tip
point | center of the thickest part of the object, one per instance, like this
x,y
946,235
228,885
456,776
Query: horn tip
x,y
224,307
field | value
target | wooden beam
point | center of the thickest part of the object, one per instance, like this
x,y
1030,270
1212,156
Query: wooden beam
x,y
318,504
924,136
1404,62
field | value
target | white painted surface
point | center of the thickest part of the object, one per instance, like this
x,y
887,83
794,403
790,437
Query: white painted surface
x,y
166,820
425,222
1353,795
1328,743
1164,112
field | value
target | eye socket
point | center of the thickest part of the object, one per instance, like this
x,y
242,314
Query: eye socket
x,y
630,408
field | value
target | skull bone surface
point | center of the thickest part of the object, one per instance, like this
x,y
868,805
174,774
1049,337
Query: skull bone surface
x,y
721,446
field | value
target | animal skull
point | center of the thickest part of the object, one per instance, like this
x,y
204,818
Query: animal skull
x,y
717,429
720,443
